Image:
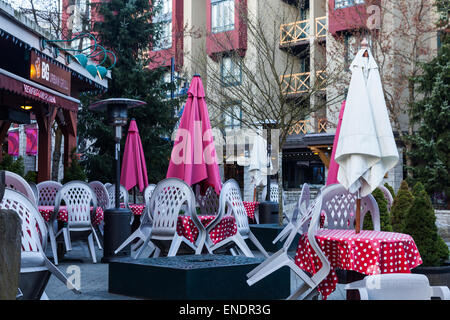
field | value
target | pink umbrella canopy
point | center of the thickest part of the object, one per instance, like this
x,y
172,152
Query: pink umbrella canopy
x,y
134,170
194,157
334,167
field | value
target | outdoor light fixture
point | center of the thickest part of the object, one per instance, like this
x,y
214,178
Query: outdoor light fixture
x,y
26,107
117,227
81,59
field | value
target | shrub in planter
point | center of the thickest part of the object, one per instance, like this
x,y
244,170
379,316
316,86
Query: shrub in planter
x,y
385,219
400,208
420,223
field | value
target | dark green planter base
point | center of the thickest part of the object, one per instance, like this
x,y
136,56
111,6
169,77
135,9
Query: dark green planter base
x,y
195,277
438,276
265,233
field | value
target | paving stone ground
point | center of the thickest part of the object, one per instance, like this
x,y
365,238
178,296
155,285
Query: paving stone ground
x,y
94,278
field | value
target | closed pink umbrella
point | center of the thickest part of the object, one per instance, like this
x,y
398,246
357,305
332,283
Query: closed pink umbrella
x,y
134,170
194,157
334,167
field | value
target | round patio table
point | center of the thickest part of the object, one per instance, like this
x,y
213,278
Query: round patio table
x,y
46,212
226,228
368,252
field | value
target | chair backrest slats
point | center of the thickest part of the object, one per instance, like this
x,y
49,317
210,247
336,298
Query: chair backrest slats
x,y
231,204
101,193
112,195
168,198
15,182
78,198
47,191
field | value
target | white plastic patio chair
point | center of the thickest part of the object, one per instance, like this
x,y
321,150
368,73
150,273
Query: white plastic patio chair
x,y
230,203
209,202
398,286
15,182
102,200
143,231
299,211
78,197
311,219
168,198
388,196
340,208
47,191
336,203
34,266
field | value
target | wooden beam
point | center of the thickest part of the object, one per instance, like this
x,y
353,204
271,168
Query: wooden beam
x,y
323,157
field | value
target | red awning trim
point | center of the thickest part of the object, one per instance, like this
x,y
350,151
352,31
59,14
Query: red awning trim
x,y
37,92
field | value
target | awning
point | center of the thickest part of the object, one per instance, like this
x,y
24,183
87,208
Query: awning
x,y
36,92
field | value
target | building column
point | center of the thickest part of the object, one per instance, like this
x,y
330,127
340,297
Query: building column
x,y
45,120
4,126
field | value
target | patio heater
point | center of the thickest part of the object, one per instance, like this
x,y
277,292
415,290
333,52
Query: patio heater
x,y
117,220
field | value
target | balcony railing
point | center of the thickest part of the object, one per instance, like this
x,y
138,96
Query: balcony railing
x,y
307,126
294,32
300,82
300,30
321,27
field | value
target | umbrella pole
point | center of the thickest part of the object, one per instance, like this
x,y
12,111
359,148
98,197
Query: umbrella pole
x,y
358,214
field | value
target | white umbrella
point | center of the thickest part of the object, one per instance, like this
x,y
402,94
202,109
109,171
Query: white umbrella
x,y
258,162
366,149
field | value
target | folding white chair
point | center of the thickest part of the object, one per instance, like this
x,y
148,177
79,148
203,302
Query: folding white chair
x,y
398,286
78,197
169,196
47,191
143,231
230,203
124,197
102,199
35,267
300,209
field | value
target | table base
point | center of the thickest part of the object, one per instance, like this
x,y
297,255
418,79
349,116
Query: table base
x,y
194,277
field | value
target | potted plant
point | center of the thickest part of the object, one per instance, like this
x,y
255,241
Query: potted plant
x,y
420,223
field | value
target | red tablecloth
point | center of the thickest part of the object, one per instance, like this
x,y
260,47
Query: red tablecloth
x,y
136,209
250,206
369,252
46,212
226,228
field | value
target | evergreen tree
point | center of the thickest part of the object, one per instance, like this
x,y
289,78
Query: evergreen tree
x,y
431,143
127,30
385,219
75,171
9,164
400,208
420,223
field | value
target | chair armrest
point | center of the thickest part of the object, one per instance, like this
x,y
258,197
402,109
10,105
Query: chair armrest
x,y
361,287
442,292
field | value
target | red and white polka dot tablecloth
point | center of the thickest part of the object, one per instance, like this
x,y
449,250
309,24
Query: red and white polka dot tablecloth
x,y
136,209
369,252
226,228
46,212
250,206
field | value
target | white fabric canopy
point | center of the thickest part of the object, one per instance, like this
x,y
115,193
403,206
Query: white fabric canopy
x,y
366,149
258,162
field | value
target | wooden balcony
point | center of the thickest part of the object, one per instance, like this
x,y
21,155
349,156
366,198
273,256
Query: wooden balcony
x,y
299,33
298,83
307,126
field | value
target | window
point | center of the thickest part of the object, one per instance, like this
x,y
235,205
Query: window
x,y
164,17
231,71
222,15
232,119
338,4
